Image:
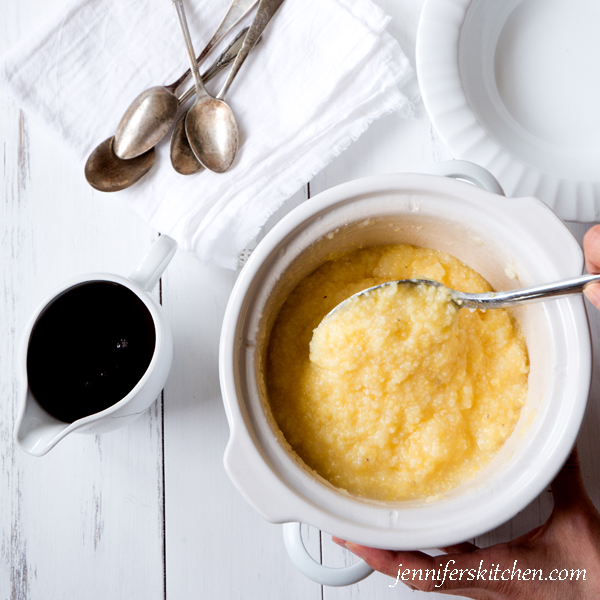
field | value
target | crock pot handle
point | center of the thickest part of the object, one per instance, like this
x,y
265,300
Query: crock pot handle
x,y
305,563
471,172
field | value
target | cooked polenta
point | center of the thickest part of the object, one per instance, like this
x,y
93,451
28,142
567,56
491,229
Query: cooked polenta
x,y
400,394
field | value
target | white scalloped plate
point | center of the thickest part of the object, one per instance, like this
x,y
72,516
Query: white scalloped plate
x,y
514,85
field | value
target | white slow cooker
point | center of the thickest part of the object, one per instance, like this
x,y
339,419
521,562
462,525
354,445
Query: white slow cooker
x,y
501,238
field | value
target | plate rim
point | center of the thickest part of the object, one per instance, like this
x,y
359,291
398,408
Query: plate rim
x,y
446,103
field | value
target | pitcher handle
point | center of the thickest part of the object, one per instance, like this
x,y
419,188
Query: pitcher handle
x,y
471,172
305,563
154,263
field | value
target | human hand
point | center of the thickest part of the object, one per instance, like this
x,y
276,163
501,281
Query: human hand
x,y
591,249
567,546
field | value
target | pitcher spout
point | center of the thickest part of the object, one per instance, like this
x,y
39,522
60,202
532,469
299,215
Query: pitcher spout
x,y
36,431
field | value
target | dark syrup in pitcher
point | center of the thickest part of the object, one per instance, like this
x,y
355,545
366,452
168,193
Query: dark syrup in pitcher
x,y
88,349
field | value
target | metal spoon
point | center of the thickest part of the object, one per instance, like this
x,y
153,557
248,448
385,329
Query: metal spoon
x,y
152,113
487,300
210,125
183,159
106,172
213,150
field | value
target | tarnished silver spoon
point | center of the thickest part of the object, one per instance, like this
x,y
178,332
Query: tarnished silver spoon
x,y
183,159
212,145
487,300
106,172
210,125
152,113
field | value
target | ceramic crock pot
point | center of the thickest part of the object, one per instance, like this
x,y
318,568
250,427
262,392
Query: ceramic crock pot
x,y
511,242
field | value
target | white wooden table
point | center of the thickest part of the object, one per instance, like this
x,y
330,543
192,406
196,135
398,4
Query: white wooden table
x,y
147,512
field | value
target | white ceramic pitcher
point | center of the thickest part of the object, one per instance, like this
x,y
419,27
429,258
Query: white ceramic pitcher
x,y
36,431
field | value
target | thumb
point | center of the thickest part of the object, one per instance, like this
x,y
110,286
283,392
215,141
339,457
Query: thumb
x,y
591,249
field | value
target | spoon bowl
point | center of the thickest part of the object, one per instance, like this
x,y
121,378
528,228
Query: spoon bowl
x,y
106,172
212,133
145,122
183,159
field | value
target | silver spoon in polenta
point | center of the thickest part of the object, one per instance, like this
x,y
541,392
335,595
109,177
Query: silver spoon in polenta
x,y
504,299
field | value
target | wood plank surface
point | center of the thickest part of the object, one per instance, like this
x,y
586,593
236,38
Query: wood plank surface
x,y
86,520
148,512
89,514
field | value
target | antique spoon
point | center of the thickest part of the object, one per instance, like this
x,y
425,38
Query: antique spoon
x,y
211,144
487,300
152,113
210,125
183,159
106,172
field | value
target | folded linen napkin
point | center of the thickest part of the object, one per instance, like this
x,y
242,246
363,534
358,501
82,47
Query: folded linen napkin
x,y
324,70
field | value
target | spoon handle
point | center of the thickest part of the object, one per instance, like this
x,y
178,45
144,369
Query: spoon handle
x,y
224,60
236,12
533,294
180,12
266,10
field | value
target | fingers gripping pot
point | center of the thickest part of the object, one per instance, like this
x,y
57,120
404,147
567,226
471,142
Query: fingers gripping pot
x,y
496,236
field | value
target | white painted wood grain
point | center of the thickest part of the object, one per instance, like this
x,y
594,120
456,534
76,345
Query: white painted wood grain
x,y
217,546
89,514
86,520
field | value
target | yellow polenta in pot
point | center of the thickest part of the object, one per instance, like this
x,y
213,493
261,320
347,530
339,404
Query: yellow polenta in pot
x,y
405,395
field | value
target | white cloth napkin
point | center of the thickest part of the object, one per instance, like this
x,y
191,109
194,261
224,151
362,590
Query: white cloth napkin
x,y
324,70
